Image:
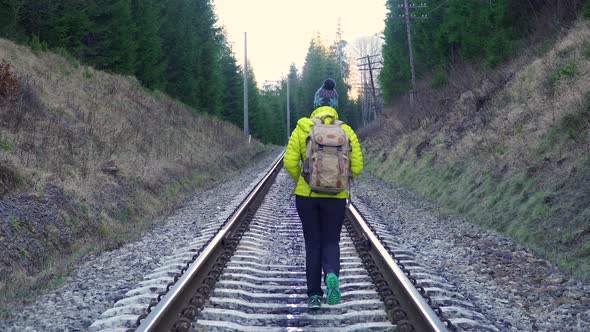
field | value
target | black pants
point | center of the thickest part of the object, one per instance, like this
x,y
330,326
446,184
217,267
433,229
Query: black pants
x,y
322,222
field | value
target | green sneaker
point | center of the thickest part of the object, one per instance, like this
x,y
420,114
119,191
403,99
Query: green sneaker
x,y
334,296
315,302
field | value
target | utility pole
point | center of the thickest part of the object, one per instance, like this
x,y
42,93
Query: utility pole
x,y
246,130
368,64
372,85
288,112
407,6
412,93
365,104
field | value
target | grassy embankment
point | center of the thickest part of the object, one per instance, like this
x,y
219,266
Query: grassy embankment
x,y
103,156
511,153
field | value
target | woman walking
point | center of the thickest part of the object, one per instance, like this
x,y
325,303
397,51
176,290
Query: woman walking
x,y
321,212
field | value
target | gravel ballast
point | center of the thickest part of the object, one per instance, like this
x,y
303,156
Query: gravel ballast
x,y
103,279
513,288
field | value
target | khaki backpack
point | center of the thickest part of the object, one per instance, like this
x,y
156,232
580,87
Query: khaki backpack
x,y
327,167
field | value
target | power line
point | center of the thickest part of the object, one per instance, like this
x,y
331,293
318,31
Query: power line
x,y
437,7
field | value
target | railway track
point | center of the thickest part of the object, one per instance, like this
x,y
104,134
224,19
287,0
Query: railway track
x,y
247,273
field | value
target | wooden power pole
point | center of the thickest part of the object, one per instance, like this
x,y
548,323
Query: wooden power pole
x,y
288,111
368,64
246,129
407,7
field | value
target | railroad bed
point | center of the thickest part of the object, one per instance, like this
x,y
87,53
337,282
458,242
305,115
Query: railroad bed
x,y
263,286
256,281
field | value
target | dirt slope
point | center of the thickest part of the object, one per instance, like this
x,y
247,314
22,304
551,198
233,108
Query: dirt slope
x,y
508,148
88,160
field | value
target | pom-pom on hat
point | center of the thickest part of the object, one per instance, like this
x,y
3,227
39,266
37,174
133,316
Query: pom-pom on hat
x,y
326,95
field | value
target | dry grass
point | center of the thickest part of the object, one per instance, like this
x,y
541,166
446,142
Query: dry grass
x,y
123,154
514,105
509,148
75,124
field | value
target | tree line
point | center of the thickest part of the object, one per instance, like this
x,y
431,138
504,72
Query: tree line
x,y
175,46
462,30
322,61
169,45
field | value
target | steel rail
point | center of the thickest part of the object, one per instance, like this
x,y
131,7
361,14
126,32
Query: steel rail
x,y
177,293
419,312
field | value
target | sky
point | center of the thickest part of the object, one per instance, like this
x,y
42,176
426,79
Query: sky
x,y
279,31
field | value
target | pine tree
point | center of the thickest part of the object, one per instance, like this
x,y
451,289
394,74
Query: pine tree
x,y
339,70
150,67
181,47
37,17
111,44
232,99
209,66
257,116
455,30
395,75
10,13
314,73
69,27
322,63
294,83
338,49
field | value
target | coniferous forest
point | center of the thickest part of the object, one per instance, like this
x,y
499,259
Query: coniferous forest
x,y
170,45
175,46
454,31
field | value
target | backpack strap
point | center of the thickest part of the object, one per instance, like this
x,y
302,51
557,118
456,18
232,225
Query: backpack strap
x,y
317,121
328,116
321,120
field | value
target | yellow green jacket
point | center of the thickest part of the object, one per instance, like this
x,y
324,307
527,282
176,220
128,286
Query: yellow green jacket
x,y
295,154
